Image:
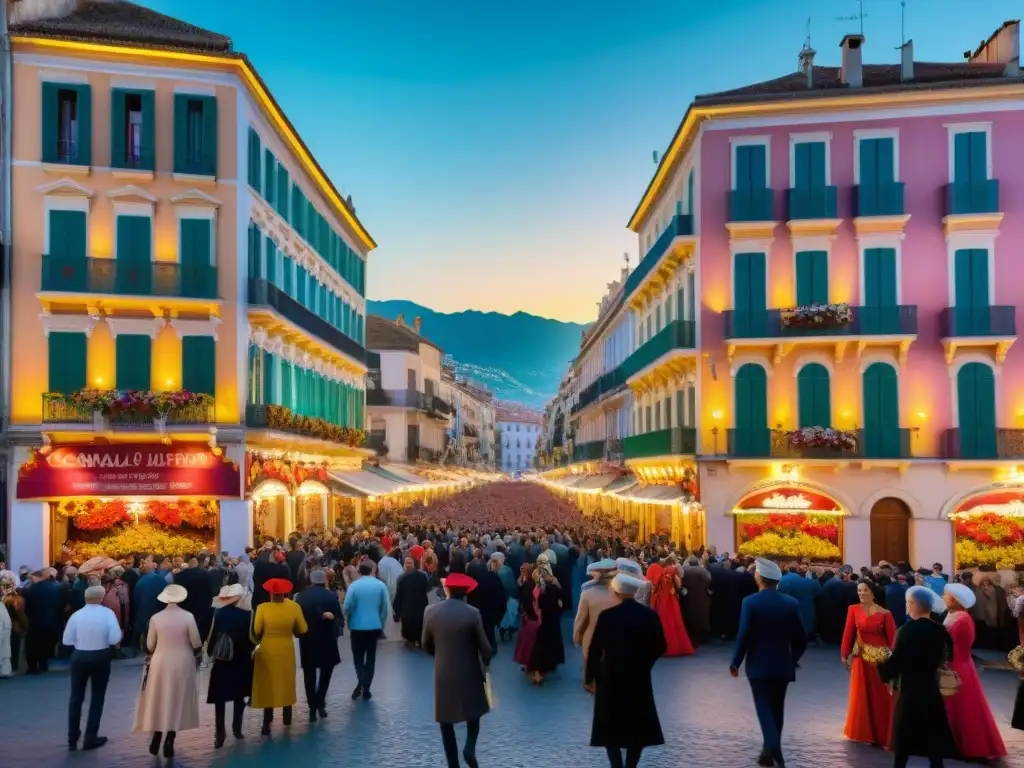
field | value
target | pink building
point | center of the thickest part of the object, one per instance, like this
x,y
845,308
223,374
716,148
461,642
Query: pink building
x,y
850,232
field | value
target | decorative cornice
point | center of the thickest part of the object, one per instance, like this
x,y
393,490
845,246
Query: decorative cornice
x,y
880,225
812,227
131,194
751,230
65,187
972,223
68,323
196,197
141,326
195,327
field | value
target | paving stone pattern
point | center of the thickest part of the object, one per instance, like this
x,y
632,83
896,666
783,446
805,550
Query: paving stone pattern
x,y
707,717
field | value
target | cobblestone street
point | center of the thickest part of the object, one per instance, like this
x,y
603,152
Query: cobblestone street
x,y
707,717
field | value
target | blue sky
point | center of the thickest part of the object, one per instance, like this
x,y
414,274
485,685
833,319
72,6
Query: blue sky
x,y
495,150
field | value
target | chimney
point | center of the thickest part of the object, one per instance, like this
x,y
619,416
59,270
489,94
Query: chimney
x,y
907,61
853,65
400,320
417,323
807,64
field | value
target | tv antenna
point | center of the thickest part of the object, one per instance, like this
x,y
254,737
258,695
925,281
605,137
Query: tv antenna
x,y
859,16
625,257
903,23
807,40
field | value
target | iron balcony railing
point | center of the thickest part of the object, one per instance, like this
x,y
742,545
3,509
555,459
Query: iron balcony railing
x,y
983,443
409,398
265,294
679,334
867,321
751,205
883,199
606,384
979,321
890,443
966,197
592,451
663,442
680,226
125,277
56,412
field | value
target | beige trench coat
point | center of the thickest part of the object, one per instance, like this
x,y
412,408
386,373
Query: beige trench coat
x,y
593,601
169,698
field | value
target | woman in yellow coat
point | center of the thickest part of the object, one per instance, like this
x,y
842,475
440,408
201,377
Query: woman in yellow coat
x,y
274,626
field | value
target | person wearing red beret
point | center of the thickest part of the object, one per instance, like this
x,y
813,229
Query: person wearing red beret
x,y
274,626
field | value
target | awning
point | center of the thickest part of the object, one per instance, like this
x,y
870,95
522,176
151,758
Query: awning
x,y
595,482
403,475
367,483
623,482
387,474
658,493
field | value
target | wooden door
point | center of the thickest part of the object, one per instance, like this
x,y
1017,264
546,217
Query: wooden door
x,y
890,531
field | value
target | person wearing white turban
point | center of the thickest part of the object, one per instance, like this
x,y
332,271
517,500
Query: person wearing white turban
x,y
771,640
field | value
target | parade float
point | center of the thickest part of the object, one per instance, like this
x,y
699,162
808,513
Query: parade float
x,y
989,530
117,528
790,524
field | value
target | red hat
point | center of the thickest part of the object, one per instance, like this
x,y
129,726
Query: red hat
x,y
277,586
279,557
460,581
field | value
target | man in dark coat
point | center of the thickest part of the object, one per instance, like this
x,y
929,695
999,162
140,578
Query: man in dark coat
x,y
837,595
488,597
145,604
454,635
199,601
295,558
271,567
318,648
44,606
627,641
696,603
412,595
727,588
772,639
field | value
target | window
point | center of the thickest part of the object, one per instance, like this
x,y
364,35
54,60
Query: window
x,y
67,354
255,160
881,412
814,396
749,294
809,167
195,135
133,361
198,364
970,157
67,101
811,277
751,199
971,311
67,124
976,411
750,391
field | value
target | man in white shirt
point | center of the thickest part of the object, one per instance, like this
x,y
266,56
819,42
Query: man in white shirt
x,y
91,631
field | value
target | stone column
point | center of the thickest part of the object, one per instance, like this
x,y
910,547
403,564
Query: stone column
x,y
324,510
29,542
236,526
358,504
289,515
931,541
857,541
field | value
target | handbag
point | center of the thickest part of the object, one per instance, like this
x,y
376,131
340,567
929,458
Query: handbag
x,y
948,680
224,648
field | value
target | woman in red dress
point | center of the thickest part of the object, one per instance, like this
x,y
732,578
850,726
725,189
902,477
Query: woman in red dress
x,y
867,641
974,729
665,583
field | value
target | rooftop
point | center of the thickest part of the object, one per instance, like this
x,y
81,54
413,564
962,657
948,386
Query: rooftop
x,y
384,334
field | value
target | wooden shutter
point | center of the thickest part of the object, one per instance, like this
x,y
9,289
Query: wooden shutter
x,y
977,411
881,412
282,191
255,156
181,133
68,353
880,277
118,134
195,239
868,162
811,277
296,210
814,395
148,130
134,361
51,123
67,236
271,251
198,364
209,148
885,156
269,176
270,391
978,157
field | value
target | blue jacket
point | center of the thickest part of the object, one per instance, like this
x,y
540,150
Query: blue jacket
x,y
896,602
771,636
804,591
367,604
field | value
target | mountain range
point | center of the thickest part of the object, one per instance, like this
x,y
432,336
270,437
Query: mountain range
x,y
519,357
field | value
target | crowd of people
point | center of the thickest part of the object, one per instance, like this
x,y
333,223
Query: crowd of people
x,y
524,559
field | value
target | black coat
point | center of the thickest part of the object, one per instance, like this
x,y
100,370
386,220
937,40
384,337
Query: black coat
x,y
231,680
627,640
919,726
199,602
318,648
489,598
411,598
44,606
832,606
262,572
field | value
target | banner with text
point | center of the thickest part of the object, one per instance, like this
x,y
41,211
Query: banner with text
x,y
128,470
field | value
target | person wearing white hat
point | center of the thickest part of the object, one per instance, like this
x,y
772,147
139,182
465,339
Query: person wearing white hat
x,y
627,641
771,640
92,630
632,568
169,697
229,646
596,596
975,732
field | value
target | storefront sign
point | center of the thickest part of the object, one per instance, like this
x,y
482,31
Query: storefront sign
x,y
128,470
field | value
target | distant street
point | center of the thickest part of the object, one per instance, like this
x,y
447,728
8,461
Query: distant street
x,y
707,717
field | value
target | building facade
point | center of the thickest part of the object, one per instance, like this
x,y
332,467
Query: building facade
x,y
474,422
845,381
188,293
519,431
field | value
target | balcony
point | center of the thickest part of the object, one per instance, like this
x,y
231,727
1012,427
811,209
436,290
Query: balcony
x,y
121,277
993,328
278,418
881,445
265,294
664,256
409,398
972,198
416,453
751,205
608,383
470,431
983,444
678,336
885,199
814,203
613,449
675,441
59,412
592,451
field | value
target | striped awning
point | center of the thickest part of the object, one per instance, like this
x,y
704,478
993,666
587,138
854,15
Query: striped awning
x,y
595,482
367,483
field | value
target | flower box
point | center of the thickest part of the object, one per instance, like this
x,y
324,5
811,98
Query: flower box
x,y
989,538
818,438
818,316
789,536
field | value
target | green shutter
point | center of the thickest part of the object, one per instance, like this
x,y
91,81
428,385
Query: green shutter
x,y
881,412
971,293
978,157
271,251
181,133
885,166
83,154
977,411
814,396
282,191
68,354
133,238
209,149
195,241
148,130
868,162
270,393
198,364
880,277
751,436
50,125
811,277
269,176
134,361
118,134
296,210
255,156
67,236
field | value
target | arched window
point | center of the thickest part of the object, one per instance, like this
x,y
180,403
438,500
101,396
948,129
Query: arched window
x,y
814,396
750,436
976,407
881,438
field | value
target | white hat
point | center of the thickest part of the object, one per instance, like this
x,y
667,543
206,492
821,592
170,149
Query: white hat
x,y
962,594
173,593
766,569
228,594
627,566
602,566
936,602
624,584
